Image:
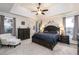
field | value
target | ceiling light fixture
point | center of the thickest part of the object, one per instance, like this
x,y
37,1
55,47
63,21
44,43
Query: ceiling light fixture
x,y
39,10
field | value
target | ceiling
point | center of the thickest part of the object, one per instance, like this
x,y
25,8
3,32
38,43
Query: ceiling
x,y
24,9
5,7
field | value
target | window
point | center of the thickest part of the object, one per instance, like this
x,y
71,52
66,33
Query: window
x,y
69,26
8,25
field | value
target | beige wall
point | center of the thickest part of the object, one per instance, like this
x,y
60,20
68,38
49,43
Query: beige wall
x,y
57,21
31,21
19,19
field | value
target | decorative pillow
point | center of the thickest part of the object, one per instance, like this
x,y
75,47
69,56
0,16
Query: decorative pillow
x,y
45,31
53,32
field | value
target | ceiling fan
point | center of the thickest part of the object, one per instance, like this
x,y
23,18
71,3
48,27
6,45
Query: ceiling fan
x,y
39,10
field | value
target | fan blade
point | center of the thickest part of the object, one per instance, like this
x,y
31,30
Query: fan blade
x,y
43,13
34,11
45,10
39,4
38,7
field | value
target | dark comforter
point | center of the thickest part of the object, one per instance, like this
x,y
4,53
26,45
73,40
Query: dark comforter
x,y
49,37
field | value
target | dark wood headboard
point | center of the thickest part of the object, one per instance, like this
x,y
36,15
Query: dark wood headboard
x,y
51,28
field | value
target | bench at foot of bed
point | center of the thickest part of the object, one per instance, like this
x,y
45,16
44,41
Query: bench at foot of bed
x,y
9,45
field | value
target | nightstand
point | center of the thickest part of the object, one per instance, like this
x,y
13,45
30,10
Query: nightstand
x,y
64,39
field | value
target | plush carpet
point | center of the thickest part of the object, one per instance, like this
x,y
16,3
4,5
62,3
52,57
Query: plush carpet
x,y
29,48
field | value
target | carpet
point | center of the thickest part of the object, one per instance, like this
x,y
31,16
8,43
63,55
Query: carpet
x,y
29,48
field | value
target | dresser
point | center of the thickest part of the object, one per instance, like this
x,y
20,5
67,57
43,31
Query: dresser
x,y
23,33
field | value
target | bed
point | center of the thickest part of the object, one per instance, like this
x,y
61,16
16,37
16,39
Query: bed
x,y
48,38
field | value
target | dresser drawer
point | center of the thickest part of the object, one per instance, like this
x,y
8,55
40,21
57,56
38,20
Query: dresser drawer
x,y
23,33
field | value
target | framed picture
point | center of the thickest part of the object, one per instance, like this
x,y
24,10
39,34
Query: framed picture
x,y
22,23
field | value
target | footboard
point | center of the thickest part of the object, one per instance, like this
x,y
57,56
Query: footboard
x,y
44,43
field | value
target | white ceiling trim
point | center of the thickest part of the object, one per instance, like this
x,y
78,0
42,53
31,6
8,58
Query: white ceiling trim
x,y
5,7
17,9
25,9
